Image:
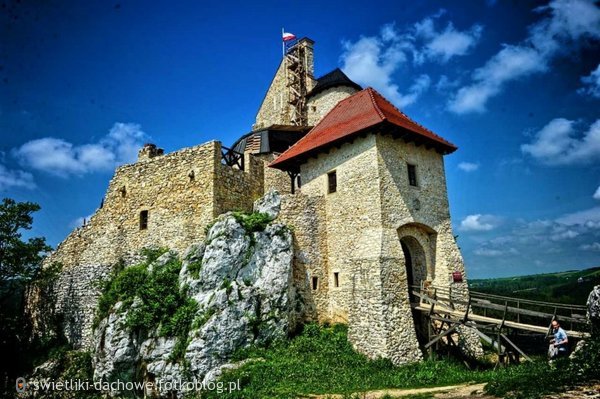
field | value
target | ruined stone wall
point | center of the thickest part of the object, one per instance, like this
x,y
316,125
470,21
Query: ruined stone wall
x,y
320,104
305,216
237,189
182,192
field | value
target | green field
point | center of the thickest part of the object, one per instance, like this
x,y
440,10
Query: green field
x,y
571,287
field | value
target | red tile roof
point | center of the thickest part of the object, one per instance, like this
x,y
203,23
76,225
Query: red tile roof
x,y
351,116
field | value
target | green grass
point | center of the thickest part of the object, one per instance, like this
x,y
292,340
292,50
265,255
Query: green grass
x,y
321,361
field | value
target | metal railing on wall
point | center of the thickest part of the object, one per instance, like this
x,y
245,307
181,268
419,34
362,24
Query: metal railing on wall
x,y
232,158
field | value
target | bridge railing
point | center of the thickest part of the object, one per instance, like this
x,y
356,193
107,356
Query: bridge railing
x,y
506,308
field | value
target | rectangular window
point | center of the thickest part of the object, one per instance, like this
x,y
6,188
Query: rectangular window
x,y
143,220
331,182
315,283
412,175
336,279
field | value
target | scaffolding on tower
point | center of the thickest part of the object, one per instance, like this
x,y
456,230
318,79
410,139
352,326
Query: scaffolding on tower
x,y
296,70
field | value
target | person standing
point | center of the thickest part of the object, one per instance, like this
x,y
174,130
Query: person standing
x,y
559,346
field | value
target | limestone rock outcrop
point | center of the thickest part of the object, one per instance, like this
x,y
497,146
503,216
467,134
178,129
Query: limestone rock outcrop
x,y
593,311
242,283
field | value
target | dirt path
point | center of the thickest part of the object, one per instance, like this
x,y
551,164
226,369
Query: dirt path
x,y
589,391
446,392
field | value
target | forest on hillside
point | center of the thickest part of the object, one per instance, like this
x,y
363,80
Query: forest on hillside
x,y
572,287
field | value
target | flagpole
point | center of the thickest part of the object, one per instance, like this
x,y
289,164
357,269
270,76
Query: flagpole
x,y
282,43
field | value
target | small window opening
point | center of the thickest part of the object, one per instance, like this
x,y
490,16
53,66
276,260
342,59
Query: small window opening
x,y
192,175
143,220
123,191
331,182
315,283
412,175
336,279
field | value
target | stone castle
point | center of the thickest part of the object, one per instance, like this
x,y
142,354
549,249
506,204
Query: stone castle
x,y
362,185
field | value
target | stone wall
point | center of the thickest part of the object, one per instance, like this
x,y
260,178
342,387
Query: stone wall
x,y
182,192
237,189
425,205
356,251
274,178
305,215
320,104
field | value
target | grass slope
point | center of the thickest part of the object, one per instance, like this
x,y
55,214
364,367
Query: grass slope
x,y
321,361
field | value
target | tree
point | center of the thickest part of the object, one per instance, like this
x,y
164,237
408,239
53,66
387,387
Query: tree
x,y
20,261
20,264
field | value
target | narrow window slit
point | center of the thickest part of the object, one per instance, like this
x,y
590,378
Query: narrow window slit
x,y
143,220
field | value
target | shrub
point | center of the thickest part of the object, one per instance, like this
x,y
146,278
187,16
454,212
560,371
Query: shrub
x,y
252,222
161,303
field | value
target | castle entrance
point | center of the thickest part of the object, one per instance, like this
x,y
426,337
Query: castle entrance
x,y
416,272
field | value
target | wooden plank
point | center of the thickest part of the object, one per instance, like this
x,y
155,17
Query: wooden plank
x,y
491,320
489,305
442,335
489,340
515,346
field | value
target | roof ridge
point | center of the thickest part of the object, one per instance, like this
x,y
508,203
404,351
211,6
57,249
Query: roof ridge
x,y
407,117
379,111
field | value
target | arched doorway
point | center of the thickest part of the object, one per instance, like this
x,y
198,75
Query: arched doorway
x,y
416,272
415,261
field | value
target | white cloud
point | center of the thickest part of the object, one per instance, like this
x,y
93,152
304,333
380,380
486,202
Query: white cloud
x,y
595,246
592,82
15,179
495,252
61,158
597,194
444,83
479,222
588,217
420,86
557,143
468,166
446,44
569,23
373,60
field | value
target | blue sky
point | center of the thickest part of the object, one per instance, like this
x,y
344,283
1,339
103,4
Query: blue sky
x,y
516,85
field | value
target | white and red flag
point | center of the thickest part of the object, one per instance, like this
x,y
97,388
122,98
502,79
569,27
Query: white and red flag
x,y
288,36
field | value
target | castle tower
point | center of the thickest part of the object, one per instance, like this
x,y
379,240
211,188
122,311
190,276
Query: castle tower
x,y
387,220
285,101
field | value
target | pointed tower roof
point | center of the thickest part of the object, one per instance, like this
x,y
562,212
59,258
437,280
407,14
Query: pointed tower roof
x,y
356,115
333,79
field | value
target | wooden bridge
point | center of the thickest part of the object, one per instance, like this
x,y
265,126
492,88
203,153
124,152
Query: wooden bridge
x,y
491,316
